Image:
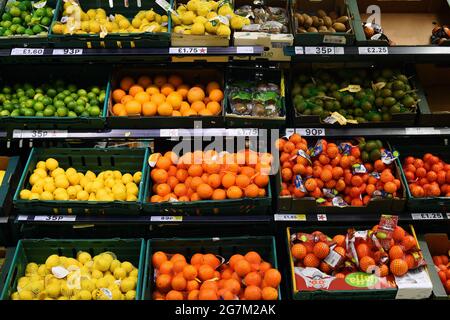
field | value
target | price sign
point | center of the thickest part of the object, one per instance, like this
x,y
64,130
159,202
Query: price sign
x,y
289,217
427,216
311,132
298,50
22,218
27,52
373,50
67,52
322,217
324,50
55,218
168,133
246,132
41,134
421,131
166,218
244,50
188,50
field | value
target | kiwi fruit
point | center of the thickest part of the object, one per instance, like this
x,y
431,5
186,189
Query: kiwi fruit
x,y
300,19
339,27
312,29
327,21
321,13
308,21
343,19
315,21
331,29
301,30
323,29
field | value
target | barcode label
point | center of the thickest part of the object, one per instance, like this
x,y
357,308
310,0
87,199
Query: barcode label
x,y
289,217
166,218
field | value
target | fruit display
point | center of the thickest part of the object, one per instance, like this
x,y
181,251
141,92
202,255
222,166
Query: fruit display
x,y
201,17
259,99
102,277
322,22
211,277
51,99
210,176
347,173
75,20
443,269
379,251
51,182
25,18
263,19
353,95
161,95
428,176
440,34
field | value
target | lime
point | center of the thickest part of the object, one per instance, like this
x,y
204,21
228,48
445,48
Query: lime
x,y
68,99
60,96
58,104
47,101
21,93
28,112
40,12
4,113
15,113
102,97
79,109
51,92
91,95
16,20
13,28
6,90
8,106
74,96
38,106
15,12
82,92
21,30
48,112
94,111
84,114
66,92
6,16
95,90
72,114
72,105
39,114
2,31
24,14
94,102
62,112
29,32
49,12
81,102
7,25
29,103
37,29
45,21
22,6
72,87
39,90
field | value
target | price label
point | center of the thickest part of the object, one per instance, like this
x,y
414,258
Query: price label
x,y
188,50
322,217
311,132
244,50
27,51
67,52
56,218
247,132
166,218
299,50
168,133
41,134
289,217
334,39
422,131
22,218
324,50
427,216
373,50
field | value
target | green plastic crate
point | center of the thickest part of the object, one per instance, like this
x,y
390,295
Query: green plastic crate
x,y
37,250
87,75
113,40
10,165
95,159
225,247
425,204
25,40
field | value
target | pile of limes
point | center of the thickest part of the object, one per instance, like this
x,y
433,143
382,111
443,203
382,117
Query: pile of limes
x,y
54,99
25,18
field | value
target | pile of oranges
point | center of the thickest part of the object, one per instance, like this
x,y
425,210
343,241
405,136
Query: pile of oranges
x,y
208,175
400,255
443,269
332,170
205,277
427,177
166,96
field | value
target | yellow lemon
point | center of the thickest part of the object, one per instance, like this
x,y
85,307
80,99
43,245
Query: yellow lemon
x,y
53,290
223,31
40,172
85,295
51,164
102,283
34,178
46,196
37,189
52,261
49,186
127,266
91,13
127,284
130,295
82,195
108,174
109,182
61,182
114,265
58,172
70,172
120,273
198,28
41,165
225,10
26,295
117,174
97,184
92,197
200,19
74,179
90,175
124,24
131,197
25,194
127,178
187,17
96,274
72,192
31,268
150,15
61,195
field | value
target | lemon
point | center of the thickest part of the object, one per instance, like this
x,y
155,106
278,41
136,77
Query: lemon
x,y
102,283
192,5
102,264
87,285
85,26
36,286
53,290
107,174
213,5
63,298
83,182
92,197
71,262
49,187
85,295
34,178
65,290
23,282
134,273
127,284
34,196
46,196
73,179
223,31
83,257
150,15
164,18
203,11
237,22
90,175
116,294
40,172
164,29
31,268
187,17
82,195
102,195
131,197
70,171
88,187
114,265
62,260
15,296
52,261
37,189
25,194
136,22
109,182
119,191
97,184
42,270
225,10
61,196
41,165
128,266
96,274
48,180
124,24
57,172
176,20
58,28
127,178
200,19
211,15
110,278
120,273
91,13
72,192
61,182
94,26
26,295
210,28
51,164
130,295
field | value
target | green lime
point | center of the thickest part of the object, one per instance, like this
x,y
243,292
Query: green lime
x,y
45,21
79,109
47,101
81,102
60,96
29,32
16,20
48,112
8,106
4,113
49,12
62,112
38,106
68,99
21,30
6,16
40,12
74,96
94,111
22,6
51,92
29,103
15,11
102,97
66,92
2,31
13,28
91,95
7,33
15,113
72,114
6,90
95,90
58,104
72,88
37,29
23,15
94,102
81,92
28,112
39,114
84,114
71,105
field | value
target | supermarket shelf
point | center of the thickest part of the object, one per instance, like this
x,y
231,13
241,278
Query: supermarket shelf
x,y
404,53
4,220
352,132
142,219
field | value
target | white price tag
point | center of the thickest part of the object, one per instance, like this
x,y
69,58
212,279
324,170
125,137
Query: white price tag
x,y
311,132
22,218
55,218
39,134
373,50
168,133
334,39
427,216
27,51
298,50
67,52
322,217
247,132
448,215
324,50
244,49
420,131
188,50
289,217
166,218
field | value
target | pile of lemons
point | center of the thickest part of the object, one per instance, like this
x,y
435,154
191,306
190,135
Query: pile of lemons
x,y
50,182
199,17
84,278
96,21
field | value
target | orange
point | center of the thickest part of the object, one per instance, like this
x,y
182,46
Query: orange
x,y
155,198
251,191
216,95
213,285
149,108
180,190
184,106
269,293
207,294
160,80
253,257
395,252
214,180
159,175
248,171
172,182
219,194
174,295
119,109
204,191
298,251
175,99
398,267
197,259
311,261
366,262
133,107
163,282
178,283
198,106
205,272
183,90
142,97
144,81
409,242
167,89
125,99
189,112
272,278
242,181
261,180
242,268
126,83
151,90
362,250
181,175
118,94
211,86
234,192
211,260
195,94
193,295
232,285
321,250
176,113
135,89
390,187
398,233
310,184
228,180
165,109
158,98
163,163
252,293
162,189
175,80
191,284
205,113
158,258
195,170
177,256
166,267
